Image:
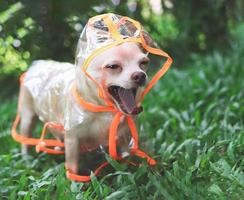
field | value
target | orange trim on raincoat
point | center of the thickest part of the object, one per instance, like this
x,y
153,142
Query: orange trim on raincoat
x,y
46,144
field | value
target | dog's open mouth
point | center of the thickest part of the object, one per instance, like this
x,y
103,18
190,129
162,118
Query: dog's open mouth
x,y
125,99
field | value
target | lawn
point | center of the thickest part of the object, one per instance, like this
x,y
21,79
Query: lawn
x,y
192,125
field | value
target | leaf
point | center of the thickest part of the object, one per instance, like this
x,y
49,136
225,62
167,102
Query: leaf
x,y
27,196
215,189
115,195
117,166
75,187
175,114
22,193
7,14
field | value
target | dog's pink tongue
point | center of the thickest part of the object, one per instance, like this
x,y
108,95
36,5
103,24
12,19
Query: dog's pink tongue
x,y
128,100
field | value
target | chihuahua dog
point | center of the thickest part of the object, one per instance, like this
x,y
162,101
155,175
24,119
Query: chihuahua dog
x,y
46,94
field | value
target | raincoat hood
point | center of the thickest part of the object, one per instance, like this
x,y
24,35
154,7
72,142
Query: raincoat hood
x,y
105,31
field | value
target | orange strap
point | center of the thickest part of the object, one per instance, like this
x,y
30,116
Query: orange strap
x,y
163,69
113,136
79,178
41,146
32,141
89,106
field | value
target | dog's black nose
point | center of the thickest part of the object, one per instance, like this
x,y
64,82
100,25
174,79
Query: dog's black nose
x,y
139,78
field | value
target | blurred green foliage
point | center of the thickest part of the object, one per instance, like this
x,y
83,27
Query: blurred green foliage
x,y
49,29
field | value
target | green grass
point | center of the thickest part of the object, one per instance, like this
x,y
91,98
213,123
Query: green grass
x,y
192,125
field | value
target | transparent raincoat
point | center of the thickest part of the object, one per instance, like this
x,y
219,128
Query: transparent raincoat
x,y
100,33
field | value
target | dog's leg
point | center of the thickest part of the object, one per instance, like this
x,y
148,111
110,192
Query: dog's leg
x,y
72,151
124,141
28,117
26,127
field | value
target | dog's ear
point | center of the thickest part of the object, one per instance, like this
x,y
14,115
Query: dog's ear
x,y
149,41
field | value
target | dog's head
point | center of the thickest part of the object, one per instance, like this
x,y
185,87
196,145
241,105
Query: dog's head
x,y
121,71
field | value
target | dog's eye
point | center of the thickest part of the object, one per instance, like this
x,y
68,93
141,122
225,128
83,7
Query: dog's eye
x,y
113,66
144,64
